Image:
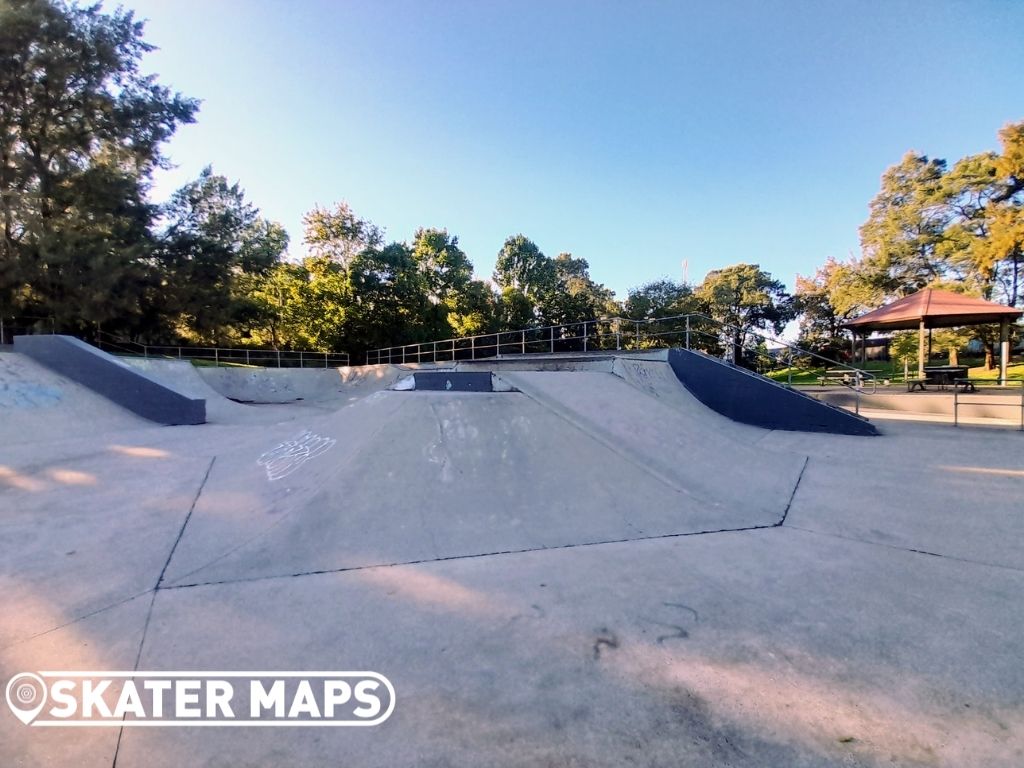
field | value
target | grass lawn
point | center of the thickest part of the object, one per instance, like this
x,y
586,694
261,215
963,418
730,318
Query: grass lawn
x,y
894,371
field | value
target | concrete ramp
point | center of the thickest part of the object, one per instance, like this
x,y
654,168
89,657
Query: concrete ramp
x,y
112,378
38,404
752,399
326,386
673,443
184,378
410,476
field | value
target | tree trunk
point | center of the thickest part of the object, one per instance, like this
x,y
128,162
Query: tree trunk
x,y
990,355
954,358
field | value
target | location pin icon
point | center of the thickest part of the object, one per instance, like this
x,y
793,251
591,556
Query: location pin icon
x,y
26,695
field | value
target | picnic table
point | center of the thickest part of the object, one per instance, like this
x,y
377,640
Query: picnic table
x,y
942,376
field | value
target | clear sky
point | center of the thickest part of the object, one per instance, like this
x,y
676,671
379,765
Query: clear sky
x,y
633,134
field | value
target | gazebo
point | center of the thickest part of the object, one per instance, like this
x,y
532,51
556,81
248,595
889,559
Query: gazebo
x,y
932,308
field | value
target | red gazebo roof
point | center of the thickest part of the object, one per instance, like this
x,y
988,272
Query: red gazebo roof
x,y
938,309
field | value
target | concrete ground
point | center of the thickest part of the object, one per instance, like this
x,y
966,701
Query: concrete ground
x,y
593,570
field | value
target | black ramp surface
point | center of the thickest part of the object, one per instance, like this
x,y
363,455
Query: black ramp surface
x,y
752,399
108,376
453,381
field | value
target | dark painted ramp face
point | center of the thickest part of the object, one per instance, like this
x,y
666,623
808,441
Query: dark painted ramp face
x,y
453,381
749,398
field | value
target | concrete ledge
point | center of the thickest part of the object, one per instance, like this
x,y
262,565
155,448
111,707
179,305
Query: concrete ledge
x,y
751,399
115,380
453,381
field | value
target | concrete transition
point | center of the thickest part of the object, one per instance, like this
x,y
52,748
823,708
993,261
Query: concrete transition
x,y
110,377
746,397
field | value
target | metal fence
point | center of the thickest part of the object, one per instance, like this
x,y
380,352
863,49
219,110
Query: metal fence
x,y
761,351
995,394
270,358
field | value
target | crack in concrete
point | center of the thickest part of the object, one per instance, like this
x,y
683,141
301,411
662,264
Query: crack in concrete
x,y
156,588
911,550
792,495
77,619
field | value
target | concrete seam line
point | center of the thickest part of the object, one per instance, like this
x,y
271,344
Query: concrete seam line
x,y
181,531
911,550
525,550
799,477
156,588
75,620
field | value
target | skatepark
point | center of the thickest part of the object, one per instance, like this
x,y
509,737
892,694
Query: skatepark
x,y
555,559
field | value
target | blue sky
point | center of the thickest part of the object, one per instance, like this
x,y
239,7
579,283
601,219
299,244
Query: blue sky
x,y
633,134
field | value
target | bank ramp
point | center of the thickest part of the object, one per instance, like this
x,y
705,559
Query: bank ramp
x,y
110,377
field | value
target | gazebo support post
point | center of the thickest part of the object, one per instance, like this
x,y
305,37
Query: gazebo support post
x,y
1004,350
920,349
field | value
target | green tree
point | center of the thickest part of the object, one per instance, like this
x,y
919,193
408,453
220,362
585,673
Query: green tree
x,y
338,234
744,297
214,240
659,298
80,134
901,240
521,268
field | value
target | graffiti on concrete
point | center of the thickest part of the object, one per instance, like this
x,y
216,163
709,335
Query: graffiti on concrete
x,y
23,395
287,457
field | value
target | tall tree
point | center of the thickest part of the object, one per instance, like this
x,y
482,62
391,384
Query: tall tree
x,y
902,237
215,238
744,297
574,297
338,234
522,268
659,298
80,134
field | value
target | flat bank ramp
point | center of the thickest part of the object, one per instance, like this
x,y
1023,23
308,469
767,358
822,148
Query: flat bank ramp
x,y
689,453
749,398
407,476
655,378
110,377
38,404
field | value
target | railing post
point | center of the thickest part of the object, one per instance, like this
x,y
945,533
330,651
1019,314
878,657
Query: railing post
x,y
247,357
523,334
552,334
279,358
790,367
584,336
403,355
472,347
687,331
216,356
435,352
300,360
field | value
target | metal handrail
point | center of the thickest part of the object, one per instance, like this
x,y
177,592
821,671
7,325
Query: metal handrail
x,y
974,382
273,358
487,345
